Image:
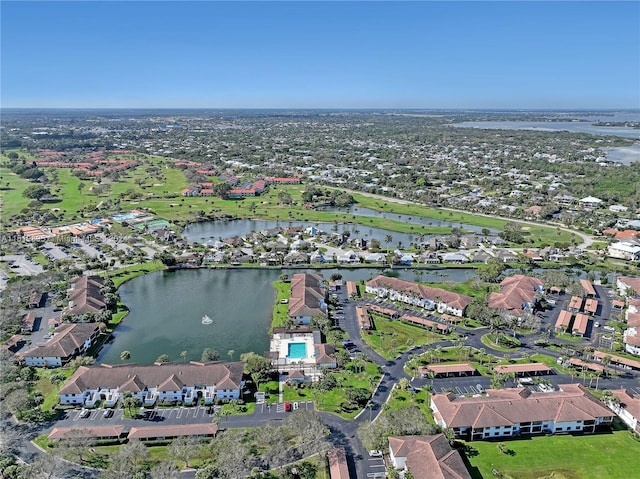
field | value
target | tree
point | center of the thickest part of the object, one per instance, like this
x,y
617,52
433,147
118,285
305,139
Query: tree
x,y
165,470
74,444
491,270
130,402
48,466
209,355
128,462
35,192
125,356
258,367
57,379
231,353
183,355
163,358
184,448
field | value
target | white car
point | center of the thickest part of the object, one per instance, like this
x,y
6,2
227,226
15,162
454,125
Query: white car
x,y
375,453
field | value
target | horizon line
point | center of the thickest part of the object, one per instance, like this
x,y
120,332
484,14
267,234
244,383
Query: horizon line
x,y
319,108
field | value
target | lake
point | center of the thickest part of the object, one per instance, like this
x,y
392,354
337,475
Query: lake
x,y
210,231
166,310
416,220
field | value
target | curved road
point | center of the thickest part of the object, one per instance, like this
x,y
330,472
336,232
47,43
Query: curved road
x,y
342,432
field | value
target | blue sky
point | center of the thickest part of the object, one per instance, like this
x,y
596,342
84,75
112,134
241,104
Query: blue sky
x,y
530,55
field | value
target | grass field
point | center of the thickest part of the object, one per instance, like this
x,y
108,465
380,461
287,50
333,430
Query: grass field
x,y
535,234
599,456
161,193
12,200
391,338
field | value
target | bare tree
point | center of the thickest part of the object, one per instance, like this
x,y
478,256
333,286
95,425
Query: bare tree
x,y
184,448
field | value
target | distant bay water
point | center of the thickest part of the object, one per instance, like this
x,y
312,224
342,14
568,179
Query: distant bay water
x,y
570,126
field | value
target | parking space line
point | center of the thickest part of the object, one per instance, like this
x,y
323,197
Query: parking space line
x,y
179,413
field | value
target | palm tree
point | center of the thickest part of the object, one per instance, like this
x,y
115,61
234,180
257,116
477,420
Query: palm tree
x,y
125,356
231,352
183,354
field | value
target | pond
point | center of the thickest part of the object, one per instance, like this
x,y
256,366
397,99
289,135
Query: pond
x,y
208,232
416,220
166,310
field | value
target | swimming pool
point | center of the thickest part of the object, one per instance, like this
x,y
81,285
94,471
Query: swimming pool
x,y
296,351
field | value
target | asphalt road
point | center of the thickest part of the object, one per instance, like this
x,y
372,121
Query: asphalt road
x,y
344,432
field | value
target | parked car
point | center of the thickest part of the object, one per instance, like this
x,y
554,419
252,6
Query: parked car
x,y
287,406
480,388
375,453
107,413
84,413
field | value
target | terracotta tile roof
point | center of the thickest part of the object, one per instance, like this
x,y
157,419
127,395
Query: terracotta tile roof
x,y
575,303
630,282
618,359
522,368
151,432
580,323
631,402
591,305
588,287
424,322
515,291
448,368
68,339
564,318
85,295
516,405
338,468
101,432
429,457
450,298
363,318
583,364
307,293
323,353
169,375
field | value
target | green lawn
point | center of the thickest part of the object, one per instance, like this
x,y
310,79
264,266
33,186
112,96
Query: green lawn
x,y
47,388
280,309
129,272
391,338
11,193
600,456
535,235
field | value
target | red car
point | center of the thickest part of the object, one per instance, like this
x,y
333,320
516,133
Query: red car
x,y
287,407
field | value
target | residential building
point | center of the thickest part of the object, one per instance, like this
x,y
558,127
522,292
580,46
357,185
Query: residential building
x,y
183,383
308,297
627,407
85,296
628,286
427,457
518,294
67,342
419,295
520,411
624,250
